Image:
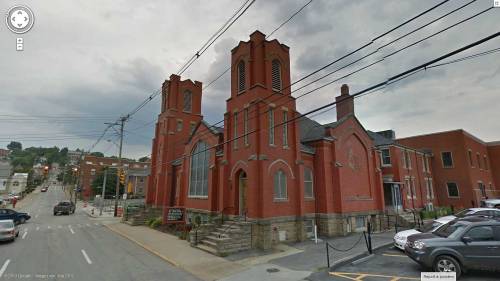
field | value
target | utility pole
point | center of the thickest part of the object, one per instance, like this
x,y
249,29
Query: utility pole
x,y
117,191
103,190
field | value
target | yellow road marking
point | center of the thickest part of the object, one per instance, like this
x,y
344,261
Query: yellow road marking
x,y
394,255
360,276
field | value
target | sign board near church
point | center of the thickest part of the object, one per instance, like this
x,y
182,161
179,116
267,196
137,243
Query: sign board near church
x,y
175,215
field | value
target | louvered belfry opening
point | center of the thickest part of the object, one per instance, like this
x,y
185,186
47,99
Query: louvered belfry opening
x,y
276,75
241,76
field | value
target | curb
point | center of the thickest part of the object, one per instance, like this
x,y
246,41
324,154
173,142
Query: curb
x,y
350,259
172,262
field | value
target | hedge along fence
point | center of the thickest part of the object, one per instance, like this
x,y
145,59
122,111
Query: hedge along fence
x,y
438,212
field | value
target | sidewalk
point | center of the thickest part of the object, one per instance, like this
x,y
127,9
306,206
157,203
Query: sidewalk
x,y
286,262
178,252
313,256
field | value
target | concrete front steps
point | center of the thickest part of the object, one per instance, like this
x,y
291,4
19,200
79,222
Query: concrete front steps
x,y
230,237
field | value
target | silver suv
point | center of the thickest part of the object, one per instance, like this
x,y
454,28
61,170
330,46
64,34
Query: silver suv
x,y
467,243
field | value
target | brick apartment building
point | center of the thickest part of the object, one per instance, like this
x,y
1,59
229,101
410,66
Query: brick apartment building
x,y
407,178
466,169
283,178
90,166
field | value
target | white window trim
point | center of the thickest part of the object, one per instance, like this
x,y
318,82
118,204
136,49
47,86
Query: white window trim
x,y
307,181
285,128
235,130
271,126
452,160
382,157
245,125
238,89
448,190
275,196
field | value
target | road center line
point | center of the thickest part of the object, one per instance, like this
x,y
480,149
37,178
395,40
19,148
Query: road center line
x,y
72,231
24,234
37,228
4,267
86,257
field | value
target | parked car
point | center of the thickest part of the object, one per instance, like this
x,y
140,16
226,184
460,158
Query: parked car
x,y
64,207
8,230
44,189
490,203
17,217
401,237
467,243
488,212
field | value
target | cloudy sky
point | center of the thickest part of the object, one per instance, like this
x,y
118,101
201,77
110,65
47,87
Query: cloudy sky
x,y
86,62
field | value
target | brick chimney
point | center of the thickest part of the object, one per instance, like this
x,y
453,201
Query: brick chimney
x,y
345,103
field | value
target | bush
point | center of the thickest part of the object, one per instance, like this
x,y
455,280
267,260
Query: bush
x,y
156,222
438,212
150,221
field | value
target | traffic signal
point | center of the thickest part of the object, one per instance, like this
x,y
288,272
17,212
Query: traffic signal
x,y
45,170
122,177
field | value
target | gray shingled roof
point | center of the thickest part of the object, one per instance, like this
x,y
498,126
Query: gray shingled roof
x,y
310,130
379,139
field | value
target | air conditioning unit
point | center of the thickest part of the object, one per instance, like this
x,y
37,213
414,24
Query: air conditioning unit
x,y
429,207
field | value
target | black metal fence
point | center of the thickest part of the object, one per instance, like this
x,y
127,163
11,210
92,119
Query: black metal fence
x,y
367,235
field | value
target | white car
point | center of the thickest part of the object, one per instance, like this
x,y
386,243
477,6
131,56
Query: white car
x,y
489,212
8,230
490,203
401,237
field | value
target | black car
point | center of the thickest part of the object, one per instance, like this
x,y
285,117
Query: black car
x,y
64,207
17,217
468,243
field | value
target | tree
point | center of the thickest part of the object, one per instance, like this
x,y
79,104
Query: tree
x,y
97,154
110,183
14,145
144,159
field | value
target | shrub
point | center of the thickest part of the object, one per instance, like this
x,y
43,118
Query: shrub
x,y
156,222
150,221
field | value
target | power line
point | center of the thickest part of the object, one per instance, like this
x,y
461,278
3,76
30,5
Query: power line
x,y
216,35
336,60
382,84
363,57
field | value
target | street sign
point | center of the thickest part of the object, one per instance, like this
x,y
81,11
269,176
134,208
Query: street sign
x,y
124,196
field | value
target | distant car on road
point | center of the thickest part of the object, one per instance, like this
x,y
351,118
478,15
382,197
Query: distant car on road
x,y
490,203
17,217
44,189
8,230
467,243
64,207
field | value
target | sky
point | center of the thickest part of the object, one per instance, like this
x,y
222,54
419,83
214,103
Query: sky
x,y
87,62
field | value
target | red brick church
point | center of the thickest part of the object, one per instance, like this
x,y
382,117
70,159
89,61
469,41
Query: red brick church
x,y
282,177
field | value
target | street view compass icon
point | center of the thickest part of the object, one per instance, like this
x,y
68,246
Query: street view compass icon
x,y
20,19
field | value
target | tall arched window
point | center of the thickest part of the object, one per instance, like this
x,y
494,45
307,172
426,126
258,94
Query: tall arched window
x,y
280,192
308,183
241,76
198,180
188,101
276,75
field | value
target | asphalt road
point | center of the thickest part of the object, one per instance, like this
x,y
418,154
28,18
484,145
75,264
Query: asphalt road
x,y
393,264
76,247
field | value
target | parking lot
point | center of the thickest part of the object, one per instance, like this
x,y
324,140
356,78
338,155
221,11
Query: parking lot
x,y
392,264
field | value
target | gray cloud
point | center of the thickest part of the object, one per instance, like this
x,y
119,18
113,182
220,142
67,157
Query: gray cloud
x,y
101,59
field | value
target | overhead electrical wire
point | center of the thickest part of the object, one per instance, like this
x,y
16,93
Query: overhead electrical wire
x,y
365,56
